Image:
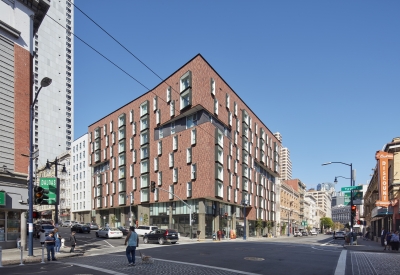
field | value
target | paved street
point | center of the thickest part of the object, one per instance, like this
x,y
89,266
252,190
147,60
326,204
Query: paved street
x,y
286,255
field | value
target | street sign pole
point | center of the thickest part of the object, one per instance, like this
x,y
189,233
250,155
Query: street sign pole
x,y
351,199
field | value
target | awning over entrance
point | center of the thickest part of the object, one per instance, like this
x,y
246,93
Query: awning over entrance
x,y
382,211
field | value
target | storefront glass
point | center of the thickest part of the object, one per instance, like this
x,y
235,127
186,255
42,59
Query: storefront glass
x,y
2,226
13,225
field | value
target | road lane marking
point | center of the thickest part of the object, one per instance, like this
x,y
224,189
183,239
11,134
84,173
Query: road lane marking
x,y
109,244
341,265
98,269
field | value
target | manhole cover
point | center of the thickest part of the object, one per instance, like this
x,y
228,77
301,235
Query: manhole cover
x,y
254,259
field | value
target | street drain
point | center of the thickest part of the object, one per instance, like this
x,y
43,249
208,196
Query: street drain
x,y
254,259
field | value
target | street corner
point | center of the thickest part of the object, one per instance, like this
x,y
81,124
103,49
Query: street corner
x,y
36,259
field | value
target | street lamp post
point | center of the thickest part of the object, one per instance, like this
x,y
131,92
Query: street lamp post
x,y
44,83
130,208
64,171
244,203
351,191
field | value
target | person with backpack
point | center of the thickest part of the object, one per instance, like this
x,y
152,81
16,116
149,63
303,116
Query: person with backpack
x,y
394,241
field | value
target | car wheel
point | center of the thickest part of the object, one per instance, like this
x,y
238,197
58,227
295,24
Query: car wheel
x,y
97,234
107,236
173,242
161,241
146,240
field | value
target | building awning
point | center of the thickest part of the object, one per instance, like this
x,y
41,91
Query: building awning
x,y
382,211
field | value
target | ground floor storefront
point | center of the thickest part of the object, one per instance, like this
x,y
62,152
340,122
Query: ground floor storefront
x,y
208,217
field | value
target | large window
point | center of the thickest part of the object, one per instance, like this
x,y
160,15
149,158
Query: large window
x,y
144,108
144,166
186,81
191,121
186,98
144,152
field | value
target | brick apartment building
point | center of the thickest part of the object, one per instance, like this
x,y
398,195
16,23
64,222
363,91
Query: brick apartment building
x,y
195,138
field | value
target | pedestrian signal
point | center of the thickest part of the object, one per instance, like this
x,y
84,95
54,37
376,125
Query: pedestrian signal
x,y
41,195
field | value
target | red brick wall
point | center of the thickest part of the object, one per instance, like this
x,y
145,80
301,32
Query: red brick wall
x,y
22,90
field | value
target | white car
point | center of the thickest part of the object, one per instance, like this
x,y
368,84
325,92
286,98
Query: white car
x,y
339,234
109,232
142,230
313,233
297,234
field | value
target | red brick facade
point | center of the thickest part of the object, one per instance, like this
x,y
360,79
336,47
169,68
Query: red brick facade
x,y
203,152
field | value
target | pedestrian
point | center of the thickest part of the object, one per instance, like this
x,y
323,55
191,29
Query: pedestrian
x,y
219,233
58,241
42,237
334,233
132,239
72,241
50,243
383,236
107,225
394,241
387,241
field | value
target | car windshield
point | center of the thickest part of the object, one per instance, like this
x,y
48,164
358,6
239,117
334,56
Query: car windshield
x,y
114,229
171,231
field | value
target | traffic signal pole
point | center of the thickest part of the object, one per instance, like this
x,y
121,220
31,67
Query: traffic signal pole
x,y
351,198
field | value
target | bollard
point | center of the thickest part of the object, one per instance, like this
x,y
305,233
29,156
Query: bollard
x,y
1,251
62,242
22,255
42,262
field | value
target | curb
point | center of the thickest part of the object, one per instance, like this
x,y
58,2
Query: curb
x,y
37,259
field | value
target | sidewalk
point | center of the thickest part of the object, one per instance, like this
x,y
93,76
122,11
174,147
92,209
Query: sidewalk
x,y
367,246
13,256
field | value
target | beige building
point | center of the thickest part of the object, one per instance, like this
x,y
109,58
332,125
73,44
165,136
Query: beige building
x,y
300,187
378,217
324,202
290,209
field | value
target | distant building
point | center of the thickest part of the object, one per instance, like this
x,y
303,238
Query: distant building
x,y
285,161
341,213
324,202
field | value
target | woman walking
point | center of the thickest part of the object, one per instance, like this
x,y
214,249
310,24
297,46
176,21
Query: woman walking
x,y
394,241
57,236
387,241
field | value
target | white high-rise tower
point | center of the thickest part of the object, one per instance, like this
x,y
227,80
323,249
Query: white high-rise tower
x,y
53,57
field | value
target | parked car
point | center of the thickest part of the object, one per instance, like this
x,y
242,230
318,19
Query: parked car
x,y
304,233
145,229
124,230
297,234
109,232
313,233
46,227
161,236
339,234
67,223
80,228
93,226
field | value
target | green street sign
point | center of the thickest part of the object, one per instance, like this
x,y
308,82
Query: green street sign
x,y
2,198
358,196
349,188
51,185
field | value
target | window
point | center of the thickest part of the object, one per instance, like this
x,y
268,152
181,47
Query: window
x,y
171,192
159,148
144,152
121,172
171,160
104,131
230,119
144,123
188,155
175,175
219,172
219,154
144,180
172,128
134,156
159,178
168,94
144,197
219,189
186,99
186,81
144,137
121,133
189,189
191,121
193,137
111,126
122,186
144,108
121,160
121,146
215,106
155,103
134,128
155,164
131,143
97,133
219,137
155,195
144,166
212,86
131,170
161,132
193,171
175,143
158,117
228,102
121,120
172,108
130,116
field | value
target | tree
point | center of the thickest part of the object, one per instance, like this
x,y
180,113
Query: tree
x,y
270,224
283,229
308,228
113,220
338,226
145,219
259,226
326,222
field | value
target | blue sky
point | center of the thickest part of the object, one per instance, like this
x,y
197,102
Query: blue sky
x,y
326,71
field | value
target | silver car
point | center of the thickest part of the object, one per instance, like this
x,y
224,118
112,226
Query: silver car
x,y
339,234
109,232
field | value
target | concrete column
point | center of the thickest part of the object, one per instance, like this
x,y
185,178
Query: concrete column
x,y
170,216
202,219
23,229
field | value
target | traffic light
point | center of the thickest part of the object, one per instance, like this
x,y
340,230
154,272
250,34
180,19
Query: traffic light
x,y
153,187
35,215
41,195
194,216
359,222
353,211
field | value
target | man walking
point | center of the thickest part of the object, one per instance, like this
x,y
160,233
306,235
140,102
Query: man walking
x,y
383,236
72,241
132,239
50,243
